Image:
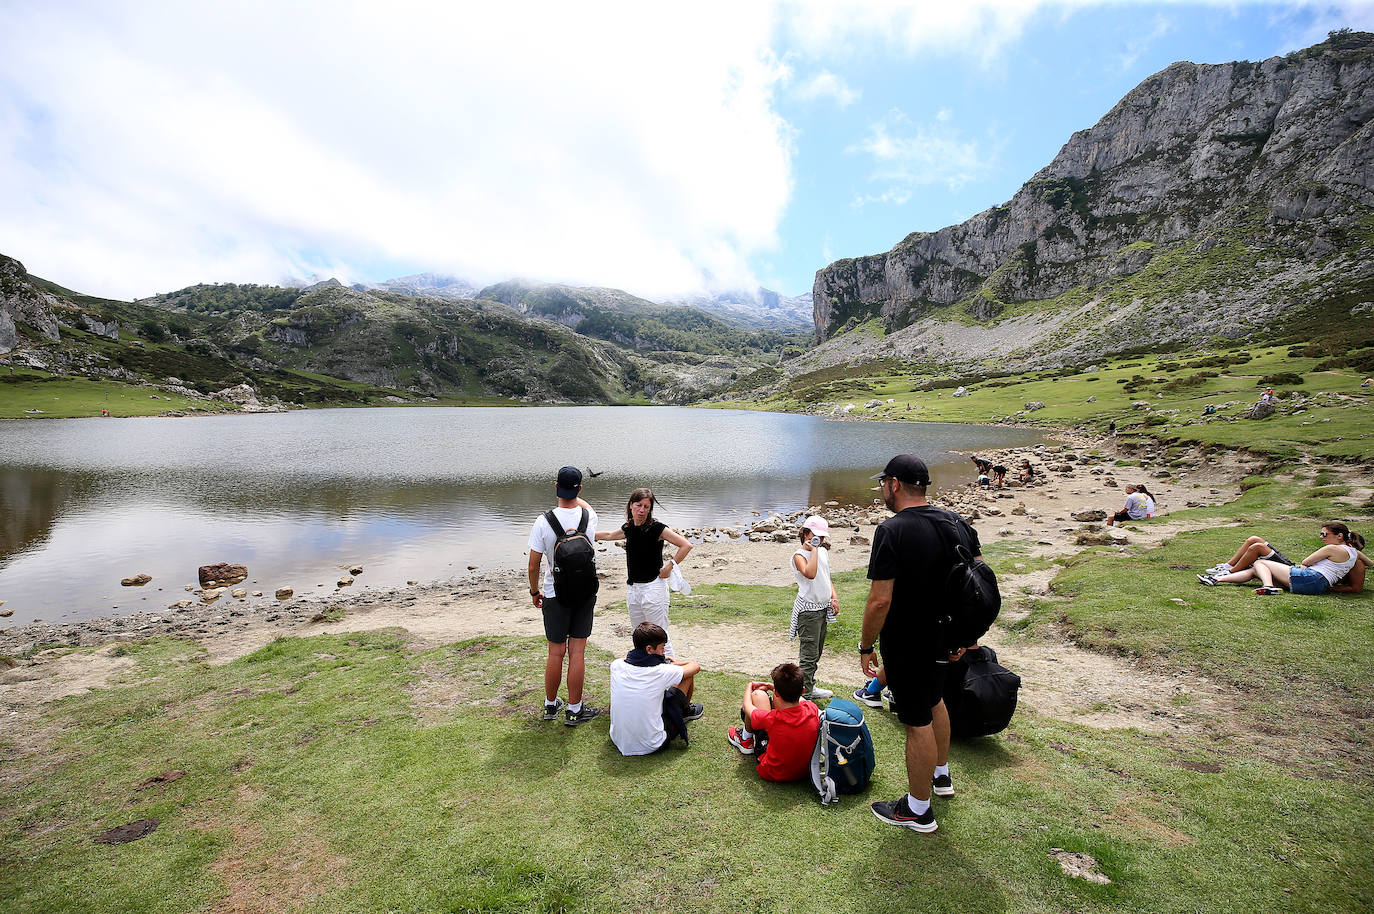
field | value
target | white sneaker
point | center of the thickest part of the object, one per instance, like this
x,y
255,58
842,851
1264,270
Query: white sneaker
x,y
818,694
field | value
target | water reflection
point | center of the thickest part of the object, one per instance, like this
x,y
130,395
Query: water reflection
x,y
411,494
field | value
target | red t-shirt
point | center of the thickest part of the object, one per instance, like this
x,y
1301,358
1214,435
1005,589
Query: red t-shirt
x,y
791,740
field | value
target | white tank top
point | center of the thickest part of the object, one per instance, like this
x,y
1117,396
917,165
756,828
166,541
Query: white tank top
x,y
1334,571
817,589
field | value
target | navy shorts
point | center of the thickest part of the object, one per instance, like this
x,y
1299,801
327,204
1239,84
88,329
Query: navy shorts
x,y
561,623
917,686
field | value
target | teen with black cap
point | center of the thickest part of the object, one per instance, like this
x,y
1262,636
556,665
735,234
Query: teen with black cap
x,y
910,560
566,627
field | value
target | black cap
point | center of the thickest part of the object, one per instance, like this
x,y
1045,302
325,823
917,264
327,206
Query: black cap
x,y
569,481
906,468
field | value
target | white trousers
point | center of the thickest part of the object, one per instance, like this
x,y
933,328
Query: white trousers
x,y
648,602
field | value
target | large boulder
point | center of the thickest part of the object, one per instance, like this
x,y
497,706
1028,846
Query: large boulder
x,y
1090,516
1262,410
222,573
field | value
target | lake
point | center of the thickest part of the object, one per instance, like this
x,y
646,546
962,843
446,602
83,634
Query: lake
x,y
410,494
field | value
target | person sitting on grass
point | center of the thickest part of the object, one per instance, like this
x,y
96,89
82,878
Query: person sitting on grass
x,y
1332,568
779,728
1027,473
651,695
1137,506
1251,551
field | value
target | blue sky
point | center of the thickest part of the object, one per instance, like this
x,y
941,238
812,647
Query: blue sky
x,y
145,146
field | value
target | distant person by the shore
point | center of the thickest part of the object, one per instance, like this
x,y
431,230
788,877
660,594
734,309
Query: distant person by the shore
x,y
564,536
647,575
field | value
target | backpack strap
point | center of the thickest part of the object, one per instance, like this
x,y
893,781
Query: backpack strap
x,y
582,524
556,527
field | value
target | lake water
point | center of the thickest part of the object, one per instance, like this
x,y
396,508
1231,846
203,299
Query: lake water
x,y
410,494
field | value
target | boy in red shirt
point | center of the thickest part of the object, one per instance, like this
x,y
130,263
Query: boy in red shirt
x,y
780,727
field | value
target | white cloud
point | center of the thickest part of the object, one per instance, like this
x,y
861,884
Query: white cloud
x,y
978,28
1140,43
827,85
149,145
907,154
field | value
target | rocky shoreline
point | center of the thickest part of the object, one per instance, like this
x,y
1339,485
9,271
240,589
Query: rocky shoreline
x,y
1042,513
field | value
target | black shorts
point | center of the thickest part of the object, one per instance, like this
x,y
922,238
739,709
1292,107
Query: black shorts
x,y
1120,516
917,687
560,623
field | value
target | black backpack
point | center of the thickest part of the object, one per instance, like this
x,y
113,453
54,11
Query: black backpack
x,y
574,562
980,694
971,600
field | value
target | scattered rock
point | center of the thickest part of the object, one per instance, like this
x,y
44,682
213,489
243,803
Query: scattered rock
x,y
211,594
345,581
6,613
411,583
222,573
356,570
858,540
472,568
1033,405
1079,866
1088,517
239,593
181,604
1262,410
122,834
257,593
961,392
285,593
1019,510
137,580
165,777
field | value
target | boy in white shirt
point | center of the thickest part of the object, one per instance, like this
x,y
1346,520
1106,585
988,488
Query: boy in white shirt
x,y
651,695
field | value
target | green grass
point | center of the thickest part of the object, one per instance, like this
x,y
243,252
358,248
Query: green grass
x,y
1338,421
28,394
348,773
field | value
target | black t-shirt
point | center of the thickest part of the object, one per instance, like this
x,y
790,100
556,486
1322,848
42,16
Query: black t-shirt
x,y
643,551
912,553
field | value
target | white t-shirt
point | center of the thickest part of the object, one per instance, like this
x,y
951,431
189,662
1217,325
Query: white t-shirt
x,y
542,539
1136,506
817,589
637,705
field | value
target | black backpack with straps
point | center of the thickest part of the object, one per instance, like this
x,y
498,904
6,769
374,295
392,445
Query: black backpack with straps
x,y
574,562
971,601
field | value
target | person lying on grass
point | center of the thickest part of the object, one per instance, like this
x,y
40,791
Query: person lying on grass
x,y
1251,551
651,695
1337,567
780,726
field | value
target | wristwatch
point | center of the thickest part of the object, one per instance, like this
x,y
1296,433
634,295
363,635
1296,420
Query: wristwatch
x,y
864,650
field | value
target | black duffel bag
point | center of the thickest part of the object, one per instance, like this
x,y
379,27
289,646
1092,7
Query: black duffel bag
x,y
980,694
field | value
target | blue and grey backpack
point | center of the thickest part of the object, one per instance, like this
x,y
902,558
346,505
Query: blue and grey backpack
x,y
842,761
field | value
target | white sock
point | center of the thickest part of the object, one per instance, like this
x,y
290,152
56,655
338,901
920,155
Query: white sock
x,y
1228,566
941,770
916,806
575,708
550,702
745,734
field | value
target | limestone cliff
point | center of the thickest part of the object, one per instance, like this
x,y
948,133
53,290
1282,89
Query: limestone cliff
x,y
1209,200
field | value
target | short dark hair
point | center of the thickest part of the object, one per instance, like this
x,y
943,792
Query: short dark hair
x,y
647,635
788,682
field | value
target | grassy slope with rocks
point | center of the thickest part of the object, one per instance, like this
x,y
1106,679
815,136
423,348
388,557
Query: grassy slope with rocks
x,y
1323,409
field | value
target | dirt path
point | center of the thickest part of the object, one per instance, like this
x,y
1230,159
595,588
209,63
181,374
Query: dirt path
x,y
1059,679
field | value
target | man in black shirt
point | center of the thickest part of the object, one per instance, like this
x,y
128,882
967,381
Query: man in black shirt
x,y
908,567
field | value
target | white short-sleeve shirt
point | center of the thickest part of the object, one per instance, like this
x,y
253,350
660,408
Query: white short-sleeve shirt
x,y
542,539
637,705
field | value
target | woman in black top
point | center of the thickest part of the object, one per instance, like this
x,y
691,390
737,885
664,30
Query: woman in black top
x,y
646,597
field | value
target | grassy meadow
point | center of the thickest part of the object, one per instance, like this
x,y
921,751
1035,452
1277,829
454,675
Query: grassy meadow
x,y
1154,396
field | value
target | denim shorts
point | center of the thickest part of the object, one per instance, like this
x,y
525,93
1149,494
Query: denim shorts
x,y
1308,581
